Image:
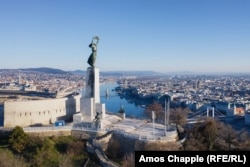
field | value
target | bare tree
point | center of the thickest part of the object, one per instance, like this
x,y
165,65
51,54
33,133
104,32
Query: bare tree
x,y
157,108
227,134
178,116
244,140
210,132
195,140
215,135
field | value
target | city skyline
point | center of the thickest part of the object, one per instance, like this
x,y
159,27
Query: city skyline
x,y
161,36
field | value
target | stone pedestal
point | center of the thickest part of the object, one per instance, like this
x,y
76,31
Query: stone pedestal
x,y
92,89
101,109
77,118
87,108
90,101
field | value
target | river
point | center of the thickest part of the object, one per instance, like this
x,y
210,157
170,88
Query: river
x,y
113,102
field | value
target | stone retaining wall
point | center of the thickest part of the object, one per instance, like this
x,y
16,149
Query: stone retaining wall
x,y
39,112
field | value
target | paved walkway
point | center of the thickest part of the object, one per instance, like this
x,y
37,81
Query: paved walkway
x,y
139,128
134,128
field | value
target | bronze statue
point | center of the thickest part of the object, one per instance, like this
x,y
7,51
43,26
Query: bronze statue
x,y
97,117
93,46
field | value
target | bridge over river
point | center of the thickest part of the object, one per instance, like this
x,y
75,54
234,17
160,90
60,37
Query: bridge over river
x,y
204,113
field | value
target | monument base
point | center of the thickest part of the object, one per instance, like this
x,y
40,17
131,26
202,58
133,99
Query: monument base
x,y
100,108
92,89
90,102
87,108
77,118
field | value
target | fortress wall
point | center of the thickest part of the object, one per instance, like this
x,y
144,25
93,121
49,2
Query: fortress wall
x,y
128,145
38,112
86,134
103,141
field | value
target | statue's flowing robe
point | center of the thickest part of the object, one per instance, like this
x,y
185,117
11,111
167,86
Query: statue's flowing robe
x,y
92,57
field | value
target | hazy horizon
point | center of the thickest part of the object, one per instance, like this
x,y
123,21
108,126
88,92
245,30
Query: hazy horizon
x,y
144,71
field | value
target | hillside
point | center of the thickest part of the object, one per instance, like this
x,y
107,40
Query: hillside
x,y
45,70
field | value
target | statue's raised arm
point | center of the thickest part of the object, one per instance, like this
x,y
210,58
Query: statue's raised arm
x,y
95,40
93,46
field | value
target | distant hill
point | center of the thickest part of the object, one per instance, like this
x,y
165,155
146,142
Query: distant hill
x,y
49,70
81,72
45,70
78,72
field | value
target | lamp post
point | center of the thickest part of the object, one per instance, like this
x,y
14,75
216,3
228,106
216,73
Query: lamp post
x,y
168,114
153,117
165,117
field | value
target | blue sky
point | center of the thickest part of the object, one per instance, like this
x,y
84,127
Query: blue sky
x,y
156,35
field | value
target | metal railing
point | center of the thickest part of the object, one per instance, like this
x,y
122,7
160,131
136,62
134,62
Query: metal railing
x,y
46,128
141,136
88,128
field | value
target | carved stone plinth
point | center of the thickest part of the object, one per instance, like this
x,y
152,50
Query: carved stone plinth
x,y
90,102
87,108
92,89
